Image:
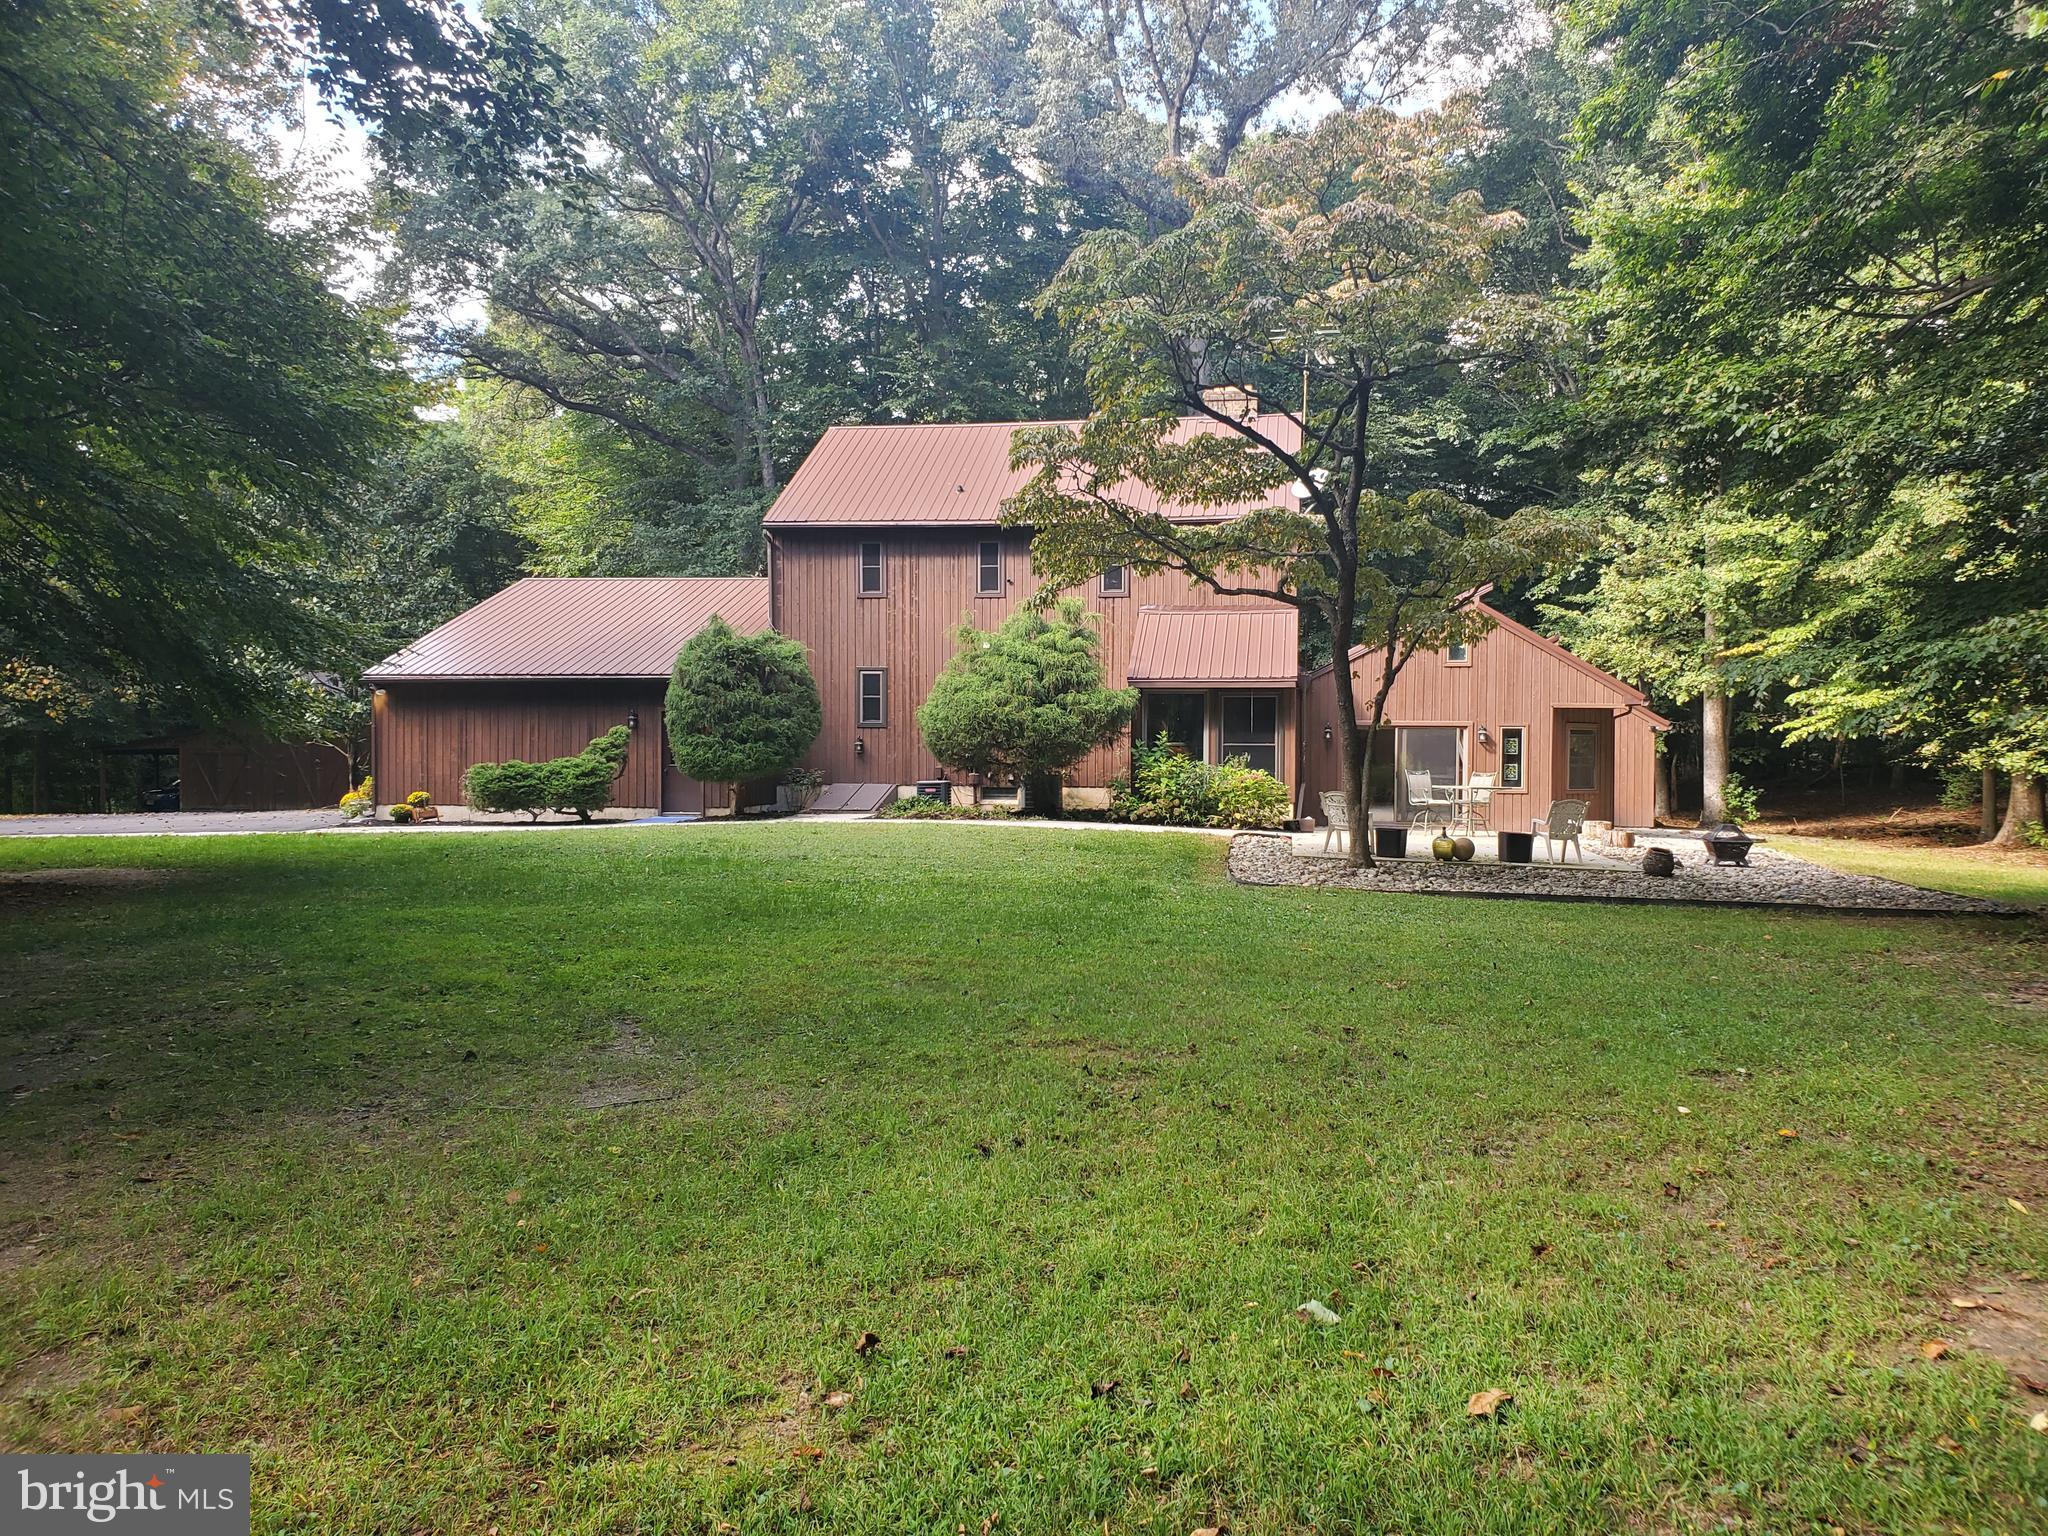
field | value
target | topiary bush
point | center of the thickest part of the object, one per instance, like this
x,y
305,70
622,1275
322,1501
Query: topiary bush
x,y
740,707
578,786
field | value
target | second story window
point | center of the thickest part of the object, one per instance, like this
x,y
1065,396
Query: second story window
x,y
870,581
1457,655
872,707
1116,580
988,578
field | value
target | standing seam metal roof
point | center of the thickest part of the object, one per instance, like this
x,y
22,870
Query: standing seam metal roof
x,y
926,473
580,626
1218,647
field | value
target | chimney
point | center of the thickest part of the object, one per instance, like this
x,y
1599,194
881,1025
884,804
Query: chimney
x,y
1231,400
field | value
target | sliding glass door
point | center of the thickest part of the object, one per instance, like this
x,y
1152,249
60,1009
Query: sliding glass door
x,y
1435,750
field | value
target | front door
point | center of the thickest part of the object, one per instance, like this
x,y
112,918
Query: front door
x,y
679,792
1585,763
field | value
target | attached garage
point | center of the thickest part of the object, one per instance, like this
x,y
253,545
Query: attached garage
x,y
539,669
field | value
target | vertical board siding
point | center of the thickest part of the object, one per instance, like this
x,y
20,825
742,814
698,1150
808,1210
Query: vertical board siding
x,y
1511,680
426,735
929,577
224,774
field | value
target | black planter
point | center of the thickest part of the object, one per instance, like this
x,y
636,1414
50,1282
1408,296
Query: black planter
x,y
1517,847
1390,842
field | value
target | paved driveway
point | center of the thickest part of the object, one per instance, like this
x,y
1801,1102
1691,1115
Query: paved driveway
x,y
168,823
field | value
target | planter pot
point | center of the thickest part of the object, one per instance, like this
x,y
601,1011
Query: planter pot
x,y
1390,842
1462,849
1444,847
1517,847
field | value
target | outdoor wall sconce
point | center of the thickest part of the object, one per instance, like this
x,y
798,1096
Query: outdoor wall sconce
x,y
632,719
1485,737
1326,733
860,746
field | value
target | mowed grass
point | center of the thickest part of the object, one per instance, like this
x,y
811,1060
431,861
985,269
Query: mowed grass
x,y
2017,875
547,1182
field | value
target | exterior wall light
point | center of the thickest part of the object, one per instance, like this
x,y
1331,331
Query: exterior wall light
x,y
860,746
1485,737
1326,733
632,719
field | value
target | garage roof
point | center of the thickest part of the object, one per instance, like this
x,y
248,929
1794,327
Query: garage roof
x,y
1216,647
951,473
580,626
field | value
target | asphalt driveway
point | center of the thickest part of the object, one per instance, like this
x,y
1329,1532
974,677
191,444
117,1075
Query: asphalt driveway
x,y
169,823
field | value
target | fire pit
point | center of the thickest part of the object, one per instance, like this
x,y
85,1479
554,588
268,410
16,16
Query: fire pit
x,y
1728,844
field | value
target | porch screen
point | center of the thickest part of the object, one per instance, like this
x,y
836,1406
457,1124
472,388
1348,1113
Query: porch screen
x,y
1251,725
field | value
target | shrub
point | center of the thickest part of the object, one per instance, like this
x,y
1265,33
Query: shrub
x,y
1024,702
1169,788
926,808
2034,834
571,786
1739,799
740,707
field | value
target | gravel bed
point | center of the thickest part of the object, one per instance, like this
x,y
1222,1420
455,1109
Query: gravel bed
x,y
1772,879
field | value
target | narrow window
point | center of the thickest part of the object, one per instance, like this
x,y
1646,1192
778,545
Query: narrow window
x,y
1512,757
873,706
1251,723
1582,758
1115,581
871,569
1458,655
989,579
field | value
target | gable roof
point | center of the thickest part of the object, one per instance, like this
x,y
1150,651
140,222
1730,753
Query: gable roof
x,y
1632,697
1216,647
580,626
939,474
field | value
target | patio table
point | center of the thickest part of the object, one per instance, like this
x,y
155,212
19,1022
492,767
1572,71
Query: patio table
x,y
1460,796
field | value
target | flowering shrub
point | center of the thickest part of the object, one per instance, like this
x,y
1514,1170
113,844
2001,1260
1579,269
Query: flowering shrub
x,y
1169,788
361,800
401,812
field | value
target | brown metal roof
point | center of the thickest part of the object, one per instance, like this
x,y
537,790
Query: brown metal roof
x,y
950,473
1216,647
580,626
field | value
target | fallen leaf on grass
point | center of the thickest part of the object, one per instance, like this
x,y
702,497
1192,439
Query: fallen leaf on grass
x,y
1487,1404
1789,1134
513,1196
838,1399
1206,1530
1187,1392
2015,1205
1934,1349
1968,1302
1671,1190
2039,1422
1183,1355
1314,1311
1942,1442
1107,1388
808,1452
1537,1250
956,1351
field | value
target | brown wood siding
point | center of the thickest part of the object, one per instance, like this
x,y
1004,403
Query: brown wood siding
x,y
426,735
930,577
226,774
1510,681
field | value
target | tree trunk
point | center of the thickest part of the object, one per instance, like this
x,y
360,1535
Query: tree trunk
x,y
1987,809
2024,806
1713,758
38,784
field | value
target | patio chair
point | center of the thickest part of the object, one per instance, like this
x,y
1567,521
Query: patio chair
x,y
1429,803
1336,819
1479,804
1560,826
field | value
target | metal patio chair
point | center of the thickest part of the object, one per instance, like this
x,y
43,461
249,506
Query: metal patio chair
x,y
1429,804
1479,803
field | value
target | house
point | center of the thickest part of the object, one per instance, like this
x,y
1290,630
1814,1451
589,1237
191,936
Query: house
x,y
539,669
880,545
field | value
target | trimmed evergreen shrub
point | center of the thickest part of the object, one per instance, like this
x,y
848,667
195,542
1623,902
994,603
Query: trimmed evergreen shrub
x,y
740,707
578,786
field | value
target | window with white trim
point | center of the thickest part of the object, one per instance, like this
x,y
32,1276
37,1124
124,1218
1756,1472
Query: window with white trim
x,y
869,582
1116,580
1458,655
988,578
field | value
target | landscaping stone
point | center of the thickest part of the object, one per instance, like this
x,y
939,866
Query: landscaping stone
x,y
1773,879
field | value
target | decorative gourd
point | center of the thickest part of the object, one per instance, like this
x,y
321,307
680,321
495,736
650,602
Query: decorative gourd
x,y
1463,849
1443,846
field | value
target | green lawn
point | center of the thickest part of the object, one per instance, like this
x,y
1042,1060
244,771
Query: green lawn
x,y
546,1181
2018,875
